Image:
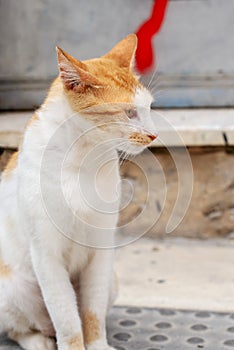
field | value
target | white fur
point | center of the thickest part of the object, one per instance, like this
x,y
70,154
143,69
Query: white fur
x,y
143,100
39,294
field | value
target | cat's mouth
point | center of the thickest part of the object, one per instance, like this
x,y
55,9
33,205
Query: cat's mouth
x,y
142,139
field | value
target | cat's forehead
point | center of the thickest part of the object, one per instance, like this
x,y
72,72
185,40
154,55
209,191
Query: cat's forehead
x,y
109,69
121,83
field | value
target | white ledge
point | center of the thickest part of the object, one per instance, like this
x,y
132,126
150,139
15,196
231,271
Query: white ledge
x,y
12,126
176,127
195,127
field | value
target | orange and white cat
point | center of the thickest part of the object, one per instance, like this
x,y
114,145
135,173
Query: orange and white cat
x,y
51,286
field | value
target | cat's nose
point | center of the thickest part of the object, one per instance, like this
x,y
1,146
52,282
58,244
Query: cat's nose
x,y
152,137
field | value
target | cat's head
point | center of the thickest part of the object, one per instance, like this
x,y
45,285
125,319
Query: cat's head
x,y
107,92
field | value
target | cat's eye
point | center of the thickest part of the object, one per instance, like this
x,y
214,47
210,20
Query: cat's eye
x,y
131,113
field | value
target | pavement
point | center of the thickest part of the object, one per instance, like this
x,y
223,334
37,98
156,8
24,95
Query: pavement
x,y
177,273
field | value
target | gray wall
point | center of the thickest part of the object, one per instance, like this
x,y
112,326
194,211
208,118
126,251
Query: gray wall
x,y
195,49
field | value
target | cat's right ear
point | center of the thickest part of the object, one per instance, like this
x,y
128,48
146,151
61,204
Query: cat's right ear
x,y
74,73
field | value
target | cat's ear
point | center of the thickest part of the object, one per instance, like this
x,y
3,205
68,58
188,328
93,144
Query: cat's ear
x,y
74,73
124,52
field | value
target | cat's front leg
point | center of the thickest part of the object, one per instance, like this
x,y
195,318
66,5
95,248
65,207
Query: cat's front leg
x,y
59,297
95,284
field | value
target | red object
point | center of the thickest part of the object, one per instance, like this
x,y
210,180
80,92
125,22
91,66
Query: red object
x,y
144,53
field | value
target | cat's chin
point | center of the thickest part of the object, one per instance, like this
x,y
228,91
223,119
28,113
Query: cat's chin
x,y
131,149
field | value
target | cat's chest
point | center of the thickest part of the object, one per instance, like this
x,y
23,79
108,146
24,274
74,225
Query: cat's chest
x,y
77,258
92,187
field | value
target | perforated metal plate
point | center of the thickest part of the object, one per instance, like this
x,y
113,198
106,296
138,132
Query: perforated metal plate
x,y
162,329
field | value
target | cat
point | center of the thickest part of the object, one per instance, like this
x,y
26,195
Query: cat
x,y
53,284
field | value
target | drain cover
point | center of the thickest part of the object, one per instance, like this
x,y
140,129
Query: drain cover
x,y
162,329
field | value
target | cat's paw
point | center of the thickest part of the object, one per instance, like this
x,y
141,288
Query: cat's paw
x,y
37,341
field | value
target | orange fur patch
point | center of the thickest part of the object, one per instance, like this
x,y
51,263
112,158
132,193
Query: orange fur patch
x,y
11,165
76,343
118,85
108,79
5,270
32,120
91,327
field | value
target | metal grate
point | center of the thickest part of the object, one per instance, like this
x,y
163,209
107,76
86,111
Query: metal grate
x,y
163,329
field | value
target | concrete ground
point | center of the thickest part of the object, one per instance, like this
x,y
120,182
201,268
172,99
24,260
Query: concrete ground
x,y
177,273
168,276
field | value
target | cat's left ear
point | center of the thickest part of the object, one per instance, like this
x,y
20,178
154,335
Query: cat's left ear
x,y
74,73
124,52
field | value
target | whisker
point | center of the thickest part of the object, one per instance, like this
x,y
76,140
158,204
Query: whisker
x,y
159,93
109,172
122,155
114,164
152,78
108,150
123,158
155,85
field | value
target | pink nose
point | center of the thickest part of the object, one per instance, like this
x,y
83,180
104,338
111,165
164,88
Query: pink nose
x,y
152,137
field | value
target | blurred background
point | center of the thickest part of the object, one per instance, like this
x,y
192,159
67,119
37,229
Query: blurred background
x,y
191,78
194,47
